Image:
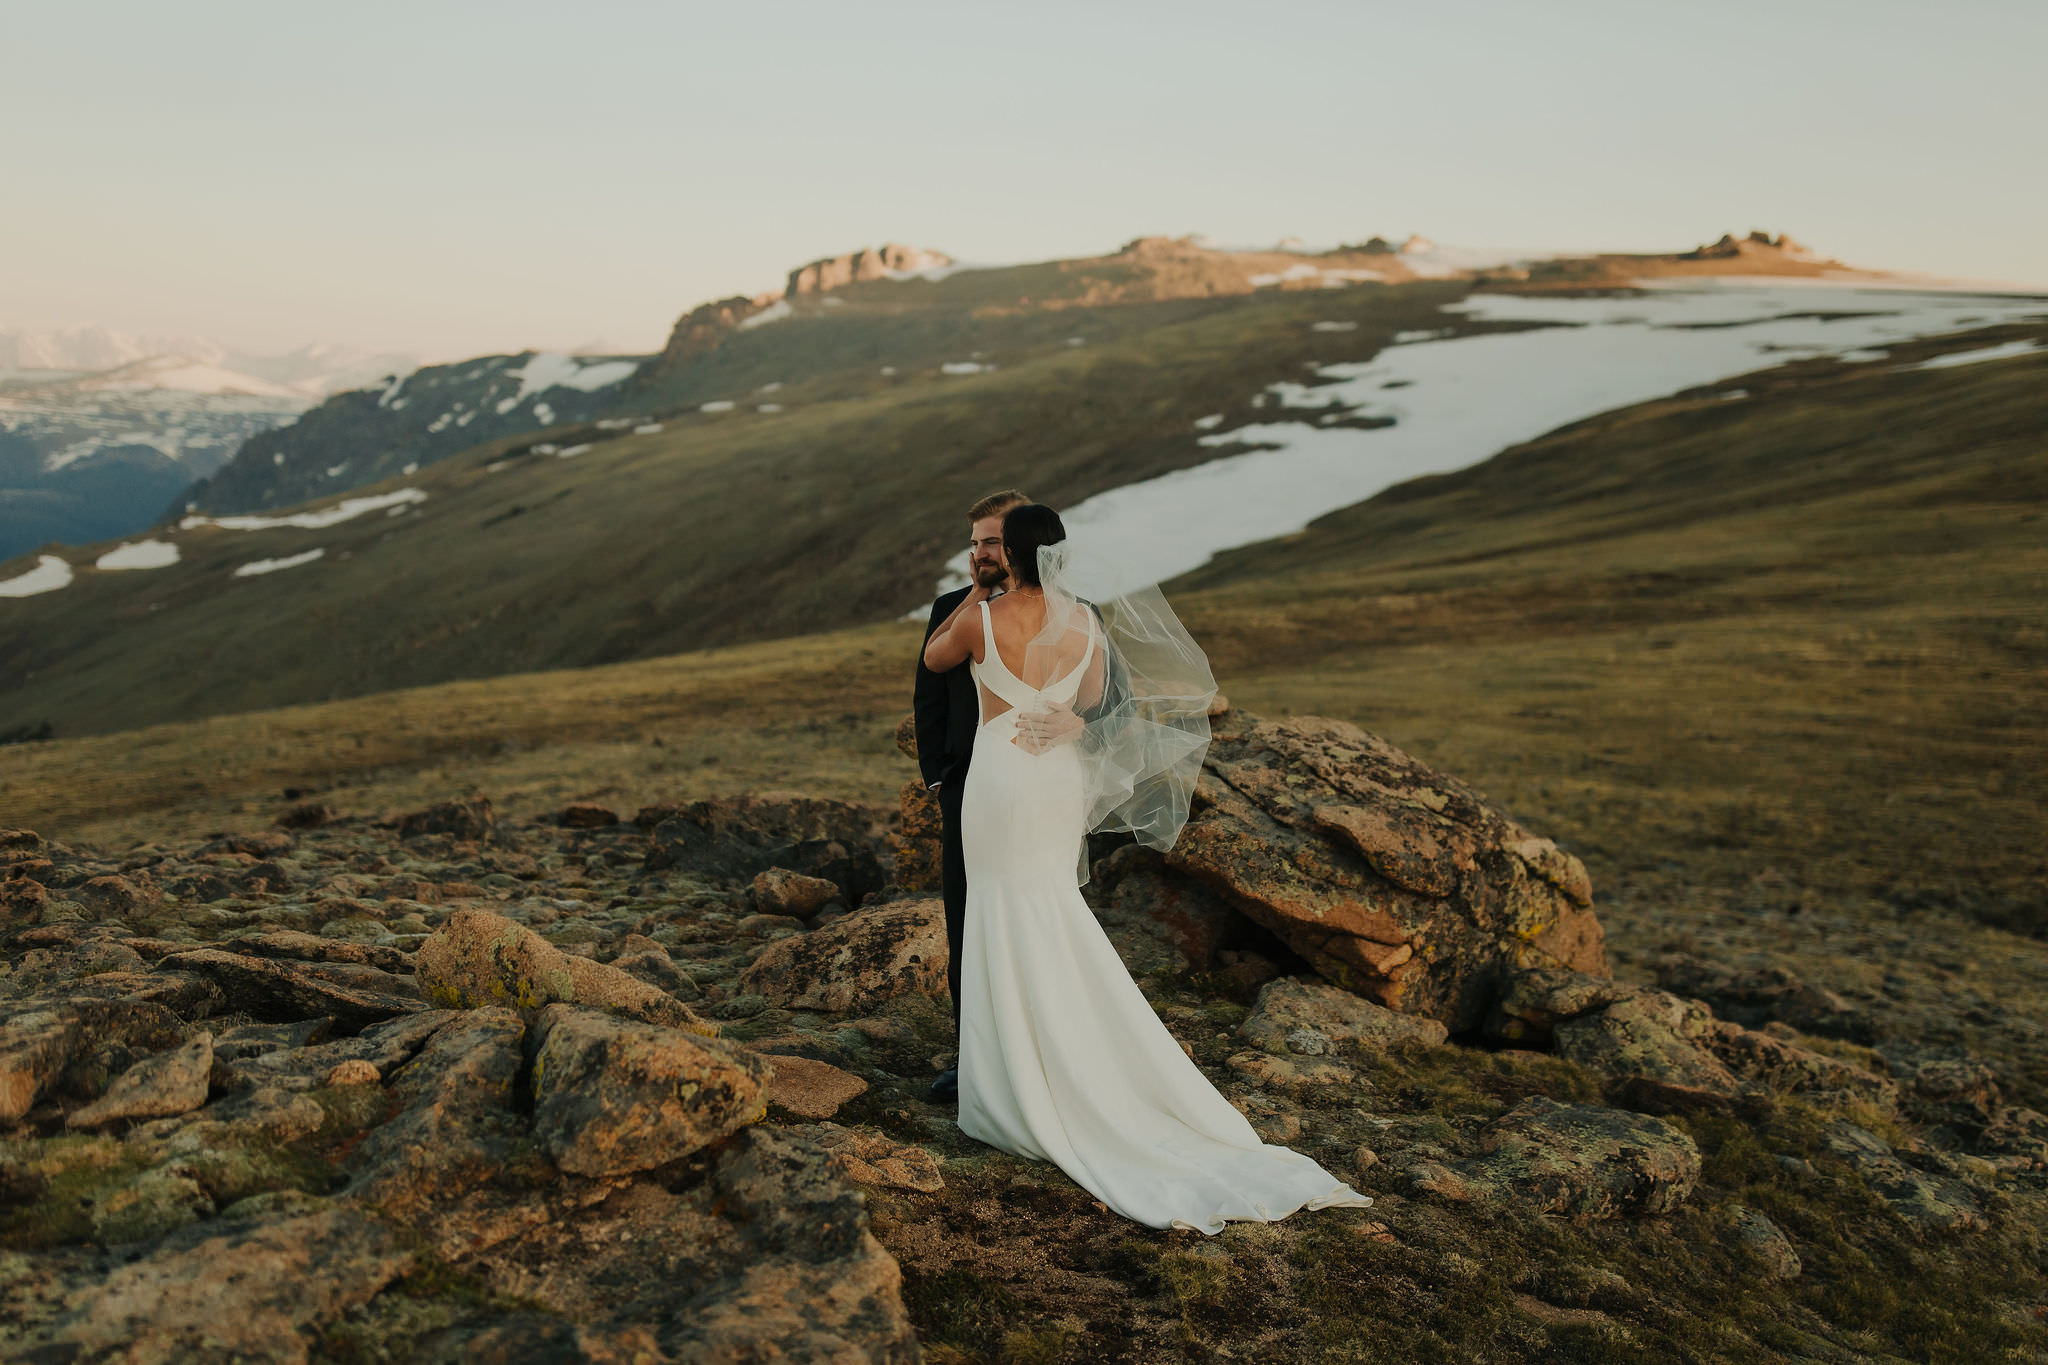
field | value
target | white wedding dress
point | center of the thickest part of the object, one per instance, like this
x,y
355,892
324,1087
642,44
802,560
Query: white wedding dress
x,y
1061,1057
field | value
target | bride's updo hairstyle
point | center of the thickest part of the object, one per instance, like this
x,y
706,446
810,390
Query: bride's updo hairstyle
x,y
1024,530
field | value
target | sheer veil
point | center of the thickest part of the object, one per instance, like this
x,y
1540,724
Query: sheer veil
x,y
1146,726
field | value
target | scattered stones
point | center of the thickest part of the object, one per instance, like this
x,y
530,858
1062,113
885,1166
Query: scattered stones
x,y
734,839
477,958
811,1089
856,963
1394,881
615,1096
163,1086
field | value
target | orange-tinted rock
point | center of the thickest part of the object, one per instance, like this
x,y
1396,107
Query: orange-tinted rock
x,y
613,1096
858,961
477,958
811,1089
1394,881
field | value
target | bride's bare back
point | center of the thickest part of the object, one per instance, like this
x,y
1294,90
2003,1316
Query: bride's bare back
x,y
1017,619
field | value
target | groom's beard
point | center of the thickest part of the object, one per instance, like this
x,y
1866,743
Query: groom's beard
x,y
990,575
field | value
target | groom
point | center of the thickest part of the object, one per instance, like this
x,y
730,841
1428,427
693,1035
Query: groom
x,y
948,712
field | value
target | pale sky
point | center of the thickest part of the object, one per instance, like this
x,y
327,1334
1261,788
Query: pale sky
x,y
452,178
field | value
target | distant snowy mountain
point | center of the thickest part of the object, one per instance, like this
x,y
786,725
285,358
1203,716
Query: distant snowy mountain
x,y
100,429
312,371
408,420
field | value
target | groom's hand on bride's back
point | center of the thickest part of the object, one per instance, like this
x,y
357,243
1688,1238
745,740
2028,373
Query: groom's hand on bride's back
x,y
1038,731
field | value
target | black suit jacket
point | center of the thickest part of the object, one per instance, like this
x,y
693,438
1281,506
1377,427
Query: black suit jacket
x,y
948,708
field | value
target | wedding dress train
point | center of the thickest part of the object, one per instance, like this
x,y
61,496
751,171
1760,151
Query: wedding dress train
x,y
1061,1056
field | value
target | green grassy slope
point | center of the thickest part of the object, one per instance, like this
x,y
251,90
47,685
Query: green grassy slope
x,y
721,528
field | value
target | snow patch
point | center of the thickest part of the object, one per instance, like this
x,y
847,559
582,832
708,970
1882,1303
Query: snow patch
x,y
2006,351
774,312
1333,327
139,554
345,510
648,429
1214,419
720,405
49,574
964,367
572,451
1456,400
262,566
553,369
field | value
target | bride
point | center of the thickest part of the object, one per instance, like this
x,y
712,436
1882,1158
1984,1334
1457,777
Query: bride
x,y
1094,716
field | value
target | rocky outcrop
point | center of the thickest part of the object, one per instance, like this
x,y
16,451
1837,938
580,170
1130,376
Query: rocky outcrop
x,y
1158,917
163,1086
1932,1202
614,1096
855,267
477,958
857,962
257,1290
1395,882
704,329
1312,1018
274,990
1662,1052
1579,1161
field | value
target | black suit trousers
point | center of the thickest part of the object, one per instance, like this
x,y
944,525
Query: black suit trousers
x,y
953,884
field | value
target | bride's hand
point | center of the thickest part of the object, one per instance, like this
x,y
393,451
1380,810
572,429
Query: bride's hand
x,y
1038,731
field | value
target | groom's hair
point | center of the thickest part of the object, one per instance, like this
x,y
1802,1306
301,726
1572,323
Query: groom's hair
x,y
1025,529
997,502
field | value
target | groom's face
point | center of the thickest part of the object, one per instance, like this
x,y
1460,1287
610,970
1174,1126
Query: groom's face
x,y
985,554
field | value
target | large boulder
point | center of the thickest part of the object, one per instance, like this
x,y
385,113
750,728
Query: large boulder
x,y
614,1096
857,961
1394,881
477,958
736,838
